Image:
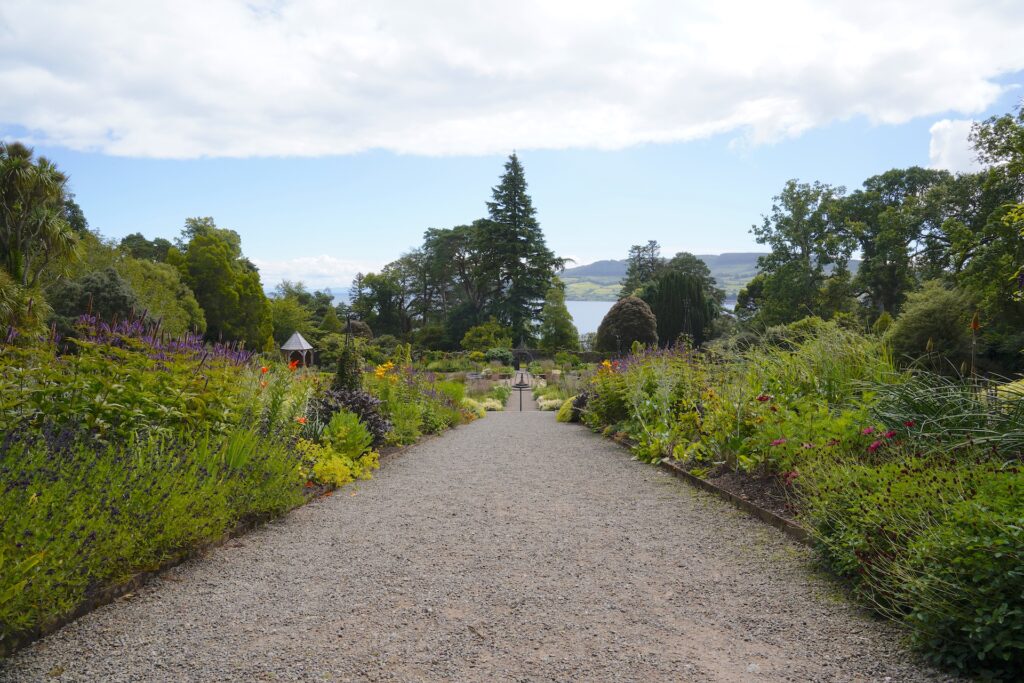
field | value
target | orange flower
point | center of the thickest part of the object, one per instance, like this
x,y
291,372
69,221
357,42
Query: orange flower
x,y
294,364
301,420
264,369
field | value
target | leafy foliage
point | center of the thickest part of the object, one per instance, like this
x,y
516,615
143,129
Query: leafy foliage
x,y
489,335
557,333
680,307
364,405
34,231
103,293
225,283
934,326
910,482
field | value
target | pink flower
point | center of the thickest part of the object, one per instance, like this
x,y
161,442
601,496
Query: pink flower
x,y
908,423
778,442
874,446
868,430
889,434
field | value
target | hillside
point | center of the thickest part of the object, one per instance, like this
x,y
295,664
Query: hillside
x,y
599,281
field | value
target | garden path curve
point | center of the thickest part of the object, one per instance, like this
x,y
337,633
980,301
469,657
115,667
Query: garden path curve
x,y
514,548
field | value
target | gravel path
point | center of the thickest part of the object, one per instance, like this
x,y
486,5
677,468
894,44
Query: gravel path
x,y
514,548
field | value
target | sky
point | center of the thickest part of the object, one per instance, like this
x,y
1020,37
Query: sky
x,y
331,134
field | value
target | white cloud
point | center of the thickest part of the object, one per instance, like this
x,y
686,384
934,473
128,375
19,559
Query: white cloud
x,y
950,149
279,77
317,272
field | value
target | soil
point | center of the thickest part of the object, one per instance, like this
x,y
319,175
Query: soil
x,y
766,491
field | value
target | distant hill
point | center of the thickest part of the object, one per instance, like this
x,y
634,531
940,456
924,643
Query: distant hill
x,y
599,281
609,268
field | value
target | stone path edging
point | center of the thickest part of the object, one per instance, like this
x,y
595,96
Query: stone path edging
x,y
786,526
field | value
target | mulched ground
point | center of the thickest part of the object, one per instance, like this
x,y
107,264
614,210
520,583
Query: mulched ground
x,y
766,491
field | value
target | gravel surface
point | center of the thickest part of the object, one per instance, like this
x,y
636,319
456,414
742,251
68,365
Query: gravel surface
x,y
514,548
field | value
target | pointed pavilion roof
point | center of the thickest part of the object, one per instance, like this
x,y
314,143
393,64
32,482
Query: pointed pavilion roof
x,y
297,342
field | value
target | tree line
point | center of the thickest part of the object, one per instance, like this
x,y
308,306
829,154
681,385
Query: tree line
x,y
940,259
496,272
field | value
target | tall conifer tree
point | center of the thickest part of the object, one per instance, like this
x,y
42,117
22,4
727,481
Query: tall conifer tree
x,y
520,260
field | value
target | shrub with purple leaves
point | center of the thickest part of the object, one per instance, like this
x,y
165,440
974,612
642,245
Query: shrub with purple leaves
x,y
365,405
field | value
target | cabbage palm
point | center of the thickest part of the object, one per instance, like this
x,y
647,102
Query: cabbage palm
x,y
34,234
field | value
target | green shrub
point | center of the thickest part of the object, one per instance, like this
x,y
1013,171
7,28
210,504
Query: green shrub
x,y
489,335
357,328
103,293
964,585
567,361
500,355
933,329
406,419
346,435
935,543
628,320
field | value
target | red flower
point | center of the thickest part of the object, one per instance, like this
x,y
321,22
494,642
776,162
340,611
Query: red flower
x,y
874,446
778,442
294,364
908,423
264,370
764,397
889,434
868,430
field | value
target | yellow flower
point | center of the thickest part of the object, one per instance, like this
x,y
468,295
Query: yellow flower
x,y
381,370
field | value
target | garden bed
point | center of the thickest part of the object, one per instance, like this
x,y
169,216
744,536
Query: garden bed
x,y
767,492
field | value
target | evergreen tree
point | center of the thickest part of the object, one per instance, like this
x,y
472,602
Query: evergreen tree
x,y
331,323
680,305
629,320
688,264
518,257
557,333
644,264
